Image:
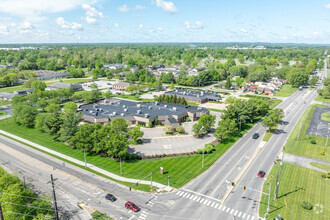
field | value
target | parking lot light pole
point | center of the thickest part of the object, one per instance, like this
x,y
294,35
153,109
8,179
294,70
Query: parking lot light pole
x,y
85,158
168,181
270,186
203,159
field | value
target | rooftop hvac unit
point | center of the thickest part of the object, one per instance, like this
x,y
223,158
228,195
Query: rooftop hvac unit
x,y
114,113
124,106
138,105
197,95
202,93
122,114
199,108
111,103
149,107
125,109
156,103
146,115
90,111
174,108
165,106
139,111
101,110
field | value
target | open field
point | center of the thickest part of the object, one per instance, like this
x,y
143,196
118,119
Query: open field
x,y
3,102
303,145
320,98
2,113
321,166
297,184
286,91
181,169
325,116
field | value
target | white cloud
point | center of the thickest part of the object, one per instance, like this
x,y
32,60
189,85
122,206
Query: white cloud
x,y
166,6
92,14
152,30
123,8
67,25
140,27
116,25
243,30
35,10
327,6
4,30
25,27
137,28
197,25
140,7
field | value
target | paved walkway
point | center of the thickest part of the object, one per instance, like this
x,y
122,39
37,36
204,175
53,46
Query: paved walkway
x,y
304,161
90,166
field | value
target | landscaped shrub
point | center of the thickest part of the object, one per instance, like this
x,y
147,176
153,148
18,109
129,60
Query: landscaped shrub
x,y
322,152
324,175
307,205
200,151
313,141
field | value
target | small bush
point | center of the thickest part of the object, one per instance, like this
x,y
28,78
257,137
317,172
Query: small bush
x,y
322,152
324,175
313,141
199,151
307,205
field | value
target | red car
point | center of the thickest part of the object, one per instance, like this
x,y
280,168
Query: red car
x,y
132,206
261,173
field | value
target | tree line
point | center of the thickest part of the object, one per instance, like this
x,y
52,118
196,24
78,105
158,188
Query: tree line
x,y
171,99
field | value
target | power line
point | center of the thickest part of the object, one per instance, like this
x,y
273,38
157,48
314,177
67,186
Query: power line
x,y
25,205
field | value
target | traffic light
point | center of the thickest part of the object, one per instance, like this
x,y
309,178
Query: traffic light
x,y
244,187
232,183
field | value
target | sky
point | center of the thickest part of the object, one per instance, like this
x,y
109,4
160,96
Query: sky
x,y
142,21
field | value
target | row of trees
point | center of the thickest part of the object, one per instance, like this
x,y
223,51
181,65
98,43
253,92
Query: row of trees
x,y
19,202
204,124
10,77
171,99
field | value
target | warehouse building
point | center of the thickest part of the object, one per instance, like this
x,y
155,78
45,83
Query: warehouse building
x,y
198,97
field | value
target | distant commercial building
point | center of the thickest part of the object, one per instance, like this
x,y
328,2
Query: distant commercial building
x,y
46,75
114,66
198,97
9,96
140,112
121,86
62,85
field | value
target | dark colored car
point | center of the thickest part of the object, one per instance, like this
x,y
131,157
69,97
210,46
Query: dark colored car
x,y
255,136
261,173
111,197
132,206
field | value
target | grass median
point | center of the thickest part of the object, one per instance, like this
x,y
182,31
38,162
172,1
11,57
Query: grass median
x,y
297,184
305,145
181,169
286,91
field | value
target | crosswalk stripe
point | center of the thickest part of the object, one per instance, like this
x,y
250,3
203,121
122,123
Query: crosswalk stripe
x,y
184,194
205,201
216,206
232,210
244,215
248,217
239,214
195,198
236,212
198,199
220,207
224,207
209,203
187,195
178,192
202,200
252,217
191,196
212,204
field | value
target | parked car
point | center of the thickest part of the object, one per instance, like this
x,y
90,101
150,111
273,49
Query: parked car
x,y
132,206
261,173
255,135
111,197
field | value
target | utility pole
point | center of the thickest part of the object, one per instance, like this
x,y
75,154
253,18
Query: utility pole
x,y
203,159
168,181
85,158
54,198
270,186
1,215
120,168
151,182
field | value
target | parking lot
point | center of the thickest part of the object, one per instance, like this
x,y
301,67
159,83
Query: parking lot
x,y
101,85
318,127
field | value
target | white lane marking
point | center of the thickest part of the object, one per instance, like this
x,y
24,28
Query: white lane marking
x,y
216,206
142,217
236,212
203,195
202,200
248,217
131,217
151,202
220,207
198,199
224,207
205,201
129,211
239,214
228,209
212,204
231,212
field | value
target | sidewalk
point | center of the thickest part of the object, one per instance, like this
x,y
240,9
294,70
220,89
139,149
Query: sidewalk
x,y
90,166
304,161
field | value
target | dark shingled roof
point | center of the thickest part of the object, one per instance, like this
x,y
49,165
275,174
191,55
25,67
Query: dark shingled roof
x,y
194,95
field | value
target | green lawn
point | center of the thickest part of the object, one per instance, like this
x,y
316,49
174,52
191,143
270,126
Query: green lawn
x,y
286,91
297,184
181,169
303,145
192,103
320,98
325,116
216,110
70,80
2,113
3,102
100,216
321,166
12,89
